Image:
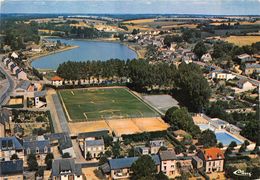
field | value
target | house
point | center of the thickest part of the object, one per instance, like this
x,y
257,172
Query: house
x,y
221,75
36,48
245,85
94,148
155,145
184,163
251,68
22,87
10,170
197,163
14,55
180,134
57,81
10,64
5,60
213,159
10,146
143,150
40,147
65,145
66,169
20,74
206,57
245,58
168,162
15,69
120,168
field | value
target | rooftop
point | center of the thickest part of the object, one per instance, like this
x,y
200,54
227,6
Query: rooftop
x,y
213,153
68,164
167,155
56,78
127,162
11,167
7,143
99,142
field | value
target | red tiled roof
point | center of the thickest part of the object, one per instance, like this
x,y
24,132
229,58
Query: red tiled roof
x,y
213,153
56,78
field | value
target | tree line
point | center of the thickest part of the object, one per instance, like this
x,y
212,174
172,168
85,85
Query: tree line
x,y
187,80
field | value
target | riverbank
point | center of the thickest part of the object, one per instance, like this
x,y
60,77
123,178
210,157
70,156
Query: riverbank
x,y
140,53
36,56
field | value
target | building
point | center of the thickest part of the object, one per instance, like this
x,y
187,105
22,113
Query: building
x,y
155,145
218,124
66,169
245,58
36,48
168,162
20,74
221,75
143,150
94,148
233,129
213,159
245,85
10,146
56,81
14,55
65,145
206,57
251,68
11,170
197,163
120,168
39,147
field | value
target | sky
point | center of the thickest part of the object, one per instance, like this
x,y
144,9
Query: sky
x,y
210,7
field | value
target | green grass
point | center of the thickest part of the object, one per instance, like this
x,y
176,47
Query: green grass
x,y
95,104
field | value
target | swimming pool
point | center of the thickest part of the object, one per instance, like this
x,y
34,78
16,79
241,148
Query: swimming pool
x,y
226,138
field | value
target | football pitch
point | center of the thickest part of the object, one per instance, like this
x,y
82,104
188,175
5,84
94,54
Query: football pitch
x,y
103,104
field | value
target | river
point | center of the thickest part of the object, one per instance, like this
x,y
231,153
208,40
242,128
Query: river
x,y
87,50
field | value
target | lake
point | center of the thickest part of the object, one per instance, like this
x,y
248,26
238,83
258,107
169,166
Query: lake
x,y
87,50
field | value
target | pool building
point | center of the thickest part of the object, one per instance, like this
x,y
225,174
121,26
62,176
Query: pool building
x,y
225,132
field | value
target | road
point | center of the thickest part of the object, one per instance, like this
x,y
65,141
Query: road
x,y
11,80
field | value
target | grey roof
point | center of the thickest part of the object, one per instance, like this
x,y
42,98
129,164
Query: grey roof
x,y
11,167
92,134
253,65
23,85
40,93
127,162
13,66
62,165
65,142
167,155
54,136
10,143
34,144
98,142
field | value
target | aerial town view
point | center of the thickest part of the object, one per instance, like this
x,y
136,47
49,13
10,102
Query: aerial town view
x,y
131,90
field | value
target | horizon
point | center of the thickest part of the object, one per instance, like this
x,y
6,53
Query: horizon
x,y
176,7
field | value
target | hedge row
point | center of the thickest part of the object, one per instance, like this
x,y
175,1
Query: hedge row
x,y
144,136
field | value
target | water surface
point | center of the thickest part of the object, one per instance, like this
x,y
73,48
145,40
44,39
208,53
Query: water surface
x,y
87,50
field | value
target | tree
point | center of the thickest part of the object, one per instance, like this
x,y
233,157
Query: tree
x,y
242,148
48,160
200,49
14,157
194,88
40,119
181,119
116,149
143,167
207,138
135,31
232,145
220,145
178,149
32,162
66,155
161,176
88,156
103,159
192,148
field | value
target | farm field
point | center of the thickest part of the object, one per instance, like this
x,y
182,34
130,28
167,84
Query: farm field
x,y
242,40
103,104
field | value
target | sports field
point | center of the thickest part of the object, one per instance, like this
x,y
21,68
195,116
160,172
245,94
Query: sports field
x,y
103,104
